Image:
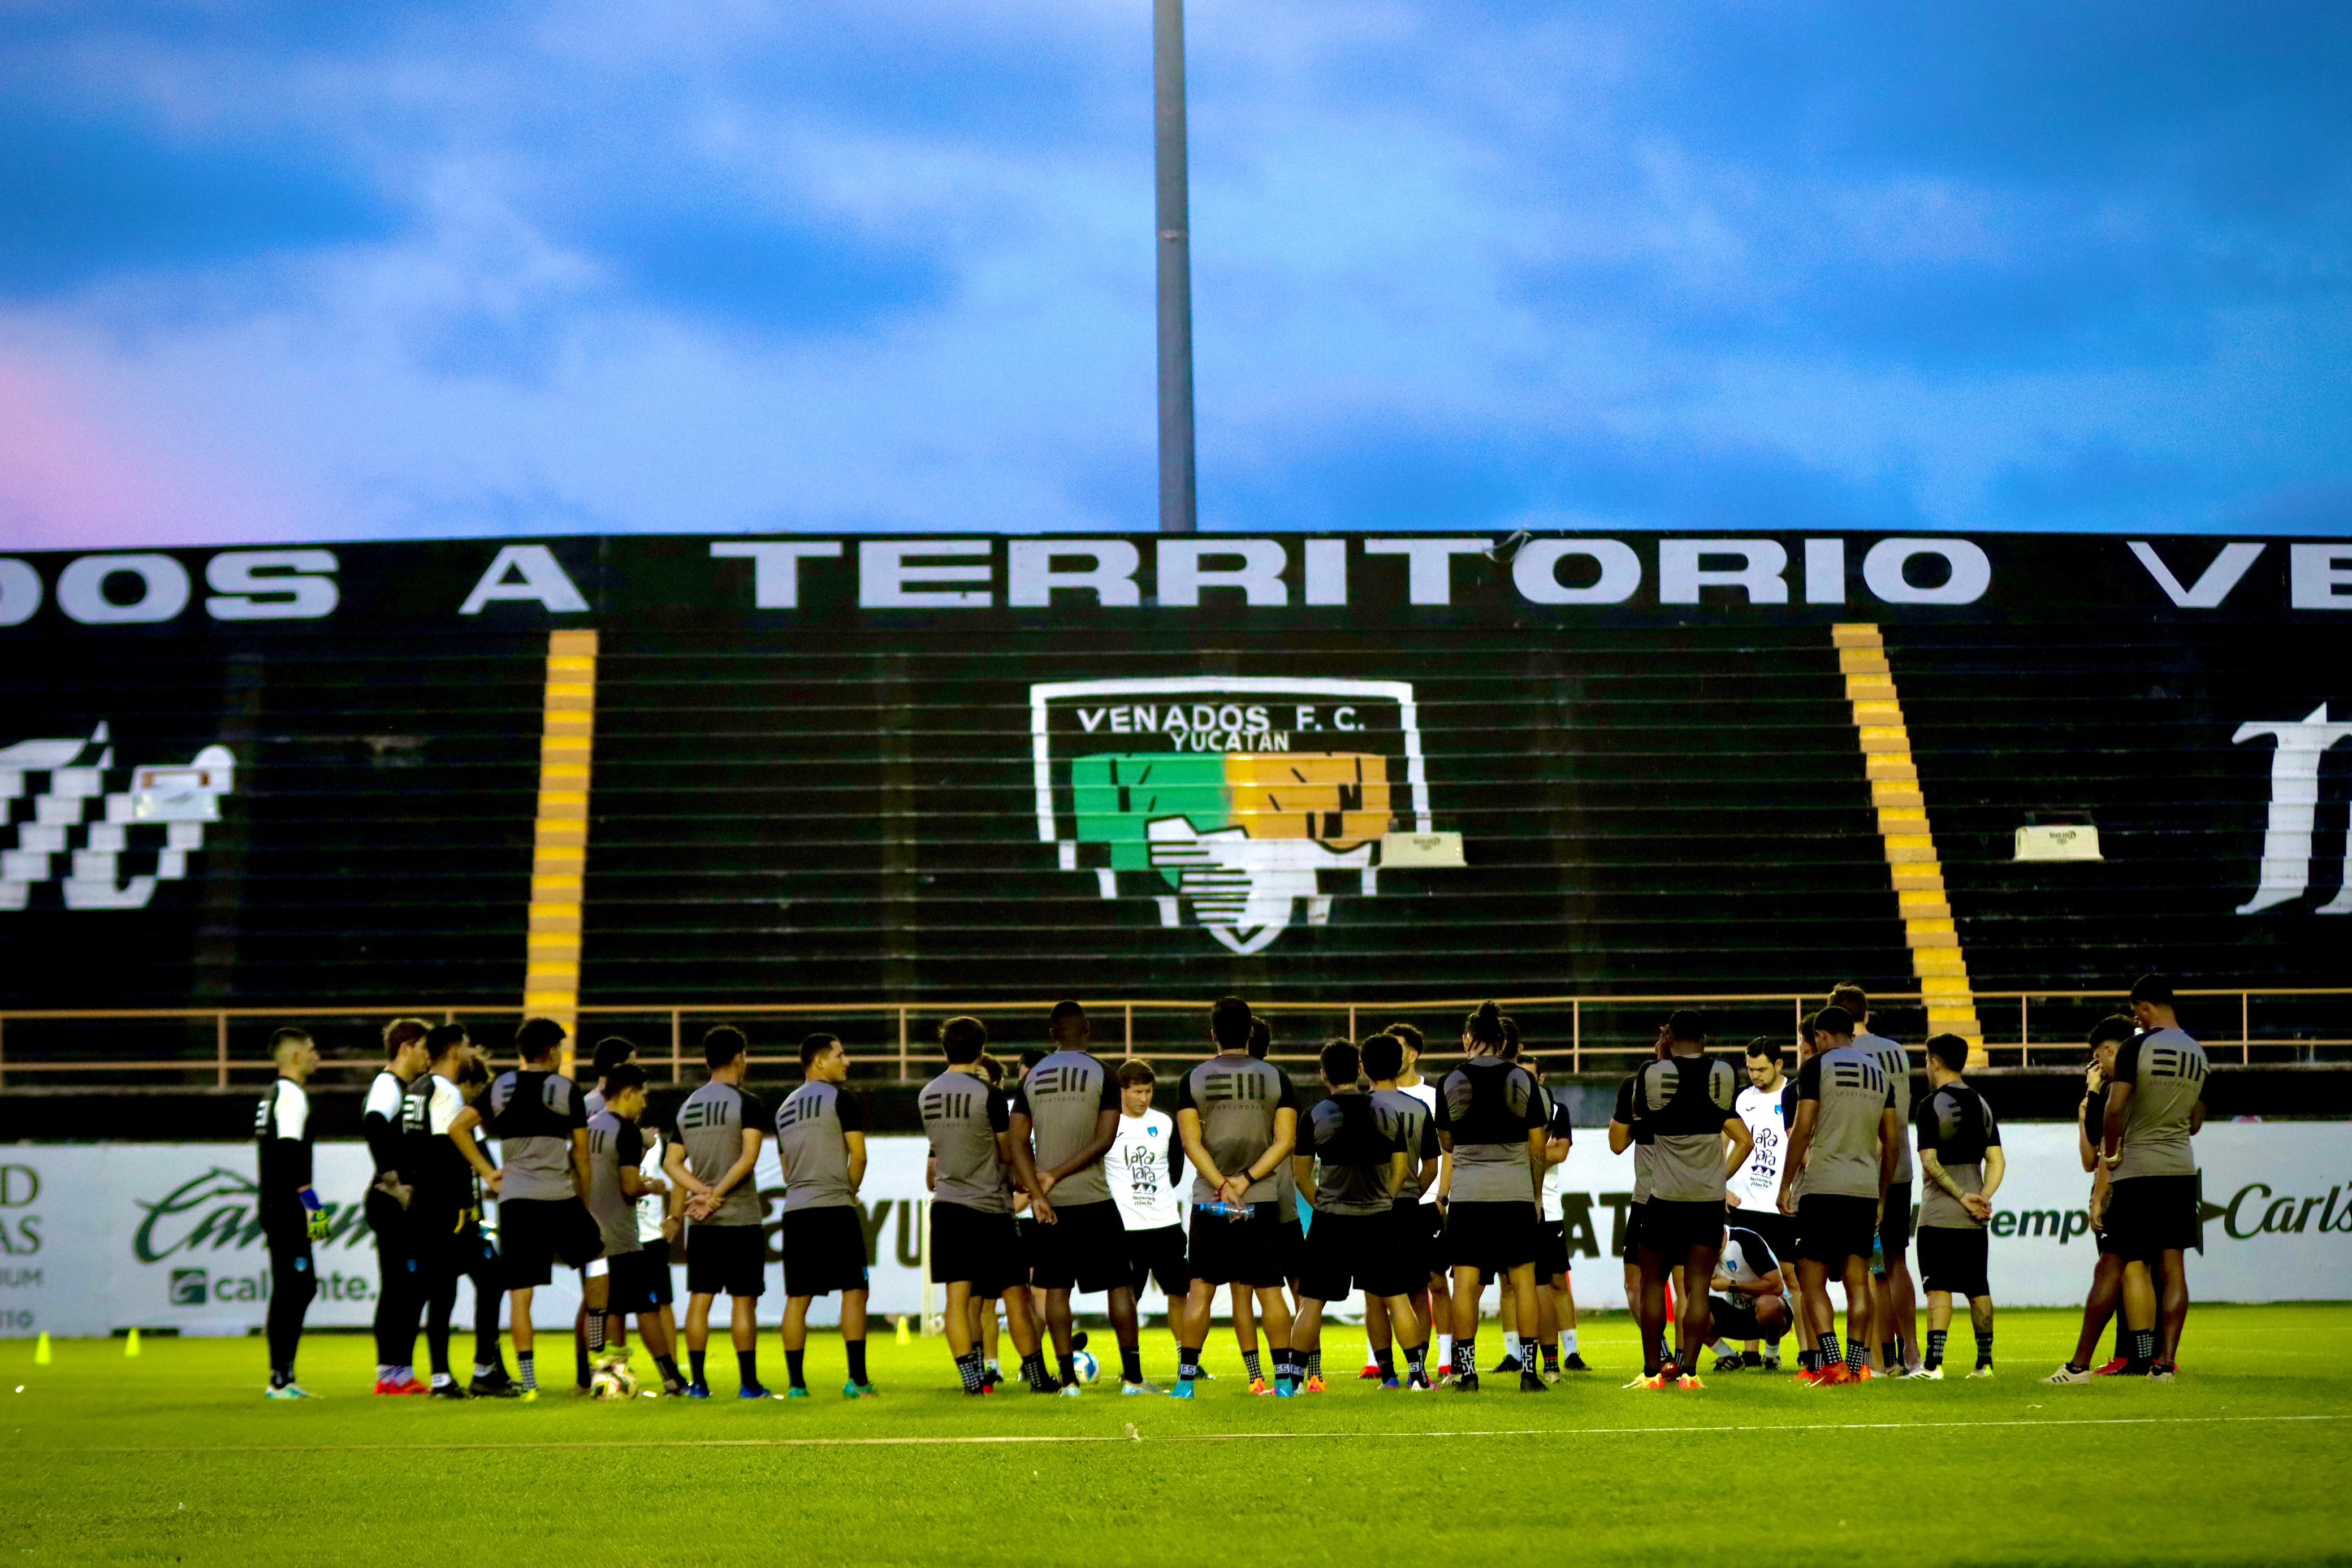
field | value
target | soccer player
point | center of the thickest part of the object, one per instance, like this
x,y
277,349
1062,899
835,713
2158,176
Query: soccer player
x,y
1960,1154
1843,1142
399,1298
615,1184
291,1213
1555,1289
1686,1103
1407,1118
1895,1296
1350,1164
542,1124
1749,1296
820,1144
1067,1110
1627,1130
1238,1118
974,1253
1490,1124
1769,1105
2156,1105
720,1130
444,1166
1143,1168
2106,1295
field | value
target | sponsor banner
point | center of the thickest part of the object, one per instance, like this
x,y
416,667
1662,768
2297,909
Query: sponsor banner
x,y
95,1238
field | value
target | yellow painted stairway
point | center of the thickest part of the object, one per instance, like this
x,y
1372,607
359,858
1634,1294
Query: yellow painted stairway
x,y
1910,843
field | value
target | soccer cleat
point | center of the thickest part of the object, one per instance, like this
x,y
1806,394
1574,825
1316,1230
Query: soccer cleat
x,y
399,1385
1130,1390
1284,1389
1729,1362
794,1392
1688,1381
1653,1381
859,1391
1835,1374
698,1390
1551,1375
1769,1362
1752,1359
497,1386
978,1390
1863,1374
990,1378
1573,1363
1641,1380
1926,1373
1419,1385
1183,1390
287,1391
1807,1377
1314,1385
2069,1374
1467,1383
445,1391
1068,1391
1509,1364
528,1396
1983,1370
1533,1383
2119,1367
752,1391
1259,1386
2162,1372
1389,1382
1371,1373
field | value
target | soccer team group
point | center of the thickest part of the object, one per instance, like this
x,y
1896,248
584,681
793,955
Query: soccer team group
x,y
1753,1202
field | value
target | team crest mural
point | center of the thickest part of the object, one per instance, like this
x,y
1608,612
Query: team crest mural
x,y
1240,804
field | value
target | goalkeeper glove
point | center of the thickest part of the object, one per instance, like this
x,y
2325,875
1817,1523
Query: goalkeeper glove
x,y
319,1221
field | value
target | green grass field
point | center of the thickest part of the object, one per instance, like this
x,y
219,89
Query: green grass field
x,y
174,1457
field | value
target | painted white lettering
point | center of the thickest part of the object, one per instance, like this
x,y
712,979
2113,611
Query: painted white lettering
x,y
537,575
1183,573
1306,719
20,593
1031,576
1886,570
1428,574
1326,571
1825,571
886,576
1682,571
1344,718
1090,719
776,567
2295,808
2319,577
271,585
1535,571
163,589
2220,575
1122,721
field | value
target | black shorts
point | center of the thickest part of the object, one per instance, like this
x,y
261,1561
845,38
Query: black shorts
x,y
1778,1229
1294,1249
640,1280
1085,1248
394,1232
969,1247
535,1233
1895,1225
1953,1259
1491,1237
1629,1246
1238,1252
2150,1216
1420,1238
1733,1316
1672,1228
1834,1227
1157,1254
824,1250
1024,1247
1345,1253
726,1260
1551,1250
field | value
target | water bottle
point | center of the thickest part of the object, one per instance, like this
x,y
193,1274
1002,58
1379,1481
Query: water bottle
x,y
1223,1210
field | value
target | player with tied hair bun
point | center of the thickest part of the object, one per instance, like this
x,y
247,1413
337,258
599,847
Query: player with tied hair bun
x,y
1491,1122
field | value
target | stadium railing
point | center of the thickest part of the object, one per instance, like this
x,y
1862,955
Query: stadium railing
x,y
1575,1035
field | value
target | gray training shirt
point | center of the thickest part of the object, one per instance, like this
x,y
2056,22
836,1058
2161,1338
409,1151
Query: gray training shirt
x,y
1407,1120
2165,1069
1684,1102
613,1145
1955,1125
962,1116
1353,1148
1235,1097
710,1126
1851,1093
1489,1106
812,1126
533,1114
1063,1096
1892,1061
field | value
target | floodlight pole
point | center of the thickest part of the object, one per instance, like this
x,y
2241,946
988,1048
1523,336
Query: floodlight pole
x,y
1179,509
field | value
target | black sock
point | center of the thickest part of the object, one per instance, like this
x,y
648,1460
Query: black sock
x,y
1315,1362
1826,1349
1890,1354
693,1359
1188,1362
1465,1356
792,1359
1807,1360
580,1361
1069,1364
1857,1357
1551,1357
1416,1358
595,1333
1935,1347
1257,1370
1385,1359
1984,1347
2143,1346
529,1368
1130,1364
855,1349
747,1367
967,1368
668,1367
1034,1373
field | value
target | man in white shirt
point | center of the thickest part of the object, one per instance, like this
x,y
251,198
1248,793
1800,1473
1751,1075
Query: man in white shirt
x,y
1766,1105
1433,1304
1141,1170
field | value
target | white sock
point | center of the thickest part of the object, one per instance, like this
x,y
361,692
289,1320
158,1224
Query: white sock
x,y
483,1369
442,1380
1520,1348
383,1373
1568,1341
1445,1350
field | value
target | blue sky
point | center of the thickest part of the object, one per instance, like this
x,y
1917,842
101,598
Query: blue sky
x,y
295,272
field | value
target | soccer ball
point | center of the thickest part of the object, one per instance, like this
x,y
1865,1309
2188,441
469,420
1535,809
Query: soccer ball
x,y
1088,1368
613,1382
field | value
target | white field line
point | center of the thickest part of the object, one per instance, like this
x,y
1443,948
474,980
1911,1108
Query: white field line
x,y
1133,1435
